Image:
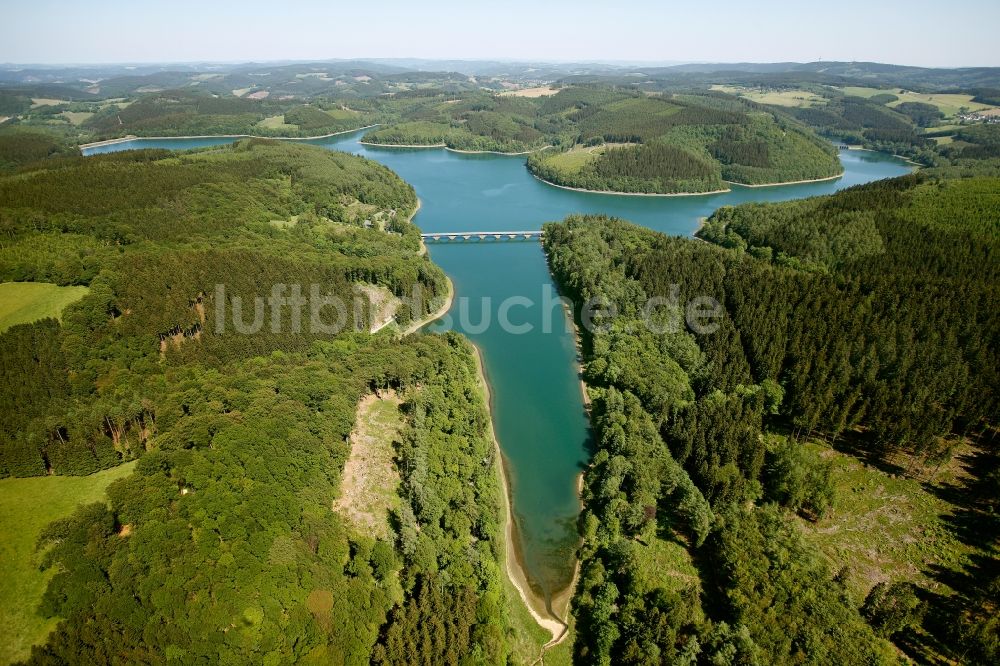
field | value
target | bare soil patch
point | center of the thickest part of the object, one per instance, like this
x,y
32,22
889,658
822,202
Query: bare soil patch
x,y
370,481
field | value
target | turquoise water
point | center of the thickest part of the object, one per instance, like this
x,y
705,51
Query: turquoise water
x,y
537,402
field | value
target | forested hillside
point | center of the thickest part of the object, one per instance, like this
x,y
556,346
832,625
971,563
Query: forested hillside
x,y
181,113
18,148
152,234
607,139
226,544
866,320
690,143
473,121
222,546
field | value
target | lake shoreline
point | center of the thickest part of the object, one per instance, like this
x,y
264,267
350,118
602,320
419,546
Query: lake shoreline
x,y
403,145
495,152
789,182
447,147
516,573
900,157
132,137
690,194
433,316
630,194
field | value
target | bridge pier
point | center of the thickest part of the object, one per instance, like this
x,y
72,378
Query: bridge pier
x,y
441,236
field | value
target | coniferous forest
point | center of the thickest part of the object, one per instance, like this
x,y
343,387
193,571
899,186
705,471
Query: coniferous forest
x,y
865,320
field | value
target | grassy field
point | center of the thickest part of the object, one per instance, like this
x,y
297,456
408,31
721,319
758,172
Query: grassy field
x,y
23,302
949,104
575,159
666,563
884,527
26,507
76,117
540,91
562,654
47,101
795,98
275,122
528,636
578,157
342,114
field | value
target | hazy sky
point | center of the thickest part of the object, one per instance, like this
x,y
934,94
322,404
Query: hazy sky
x,y
914,32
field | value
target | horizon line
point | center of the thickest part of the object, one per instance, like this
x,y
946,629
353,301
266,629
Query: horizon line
x,y
621,62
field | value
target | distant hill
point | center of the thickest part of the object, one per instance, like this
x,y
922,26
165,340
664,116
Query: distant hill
x,y
336,77
842,73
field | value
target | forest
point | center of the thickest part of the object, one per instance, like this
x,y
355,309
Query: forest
x,y
681,143
221,546
151,234
864,321
602,138
471,121
182,567
180,113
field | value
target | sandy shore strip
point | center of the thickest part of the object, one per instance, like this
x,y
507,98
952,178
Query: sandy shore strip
x,y
631,194
132,137
900,157
702,221
403,145
495,152
789,182
446,147
515,571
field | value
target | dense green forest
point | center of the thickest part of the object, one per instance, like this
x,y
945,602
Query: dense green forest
x,y
607,139
152,234
183,113
20,148
865,319
868,122
684,143
222,546
473,121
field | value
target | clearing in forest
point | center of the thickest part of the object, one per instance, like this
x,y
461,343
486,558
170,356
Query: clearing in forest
x,y
25,302
26,506
793,97
368,489
540,91
886,527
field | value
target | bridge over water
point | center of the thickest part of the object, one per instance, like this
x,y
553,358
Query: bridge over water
x,y
482,235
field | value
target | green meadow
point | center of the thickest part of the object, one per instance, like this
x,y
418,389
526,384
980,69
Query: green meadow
x,y
27,505
25,302
950,104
